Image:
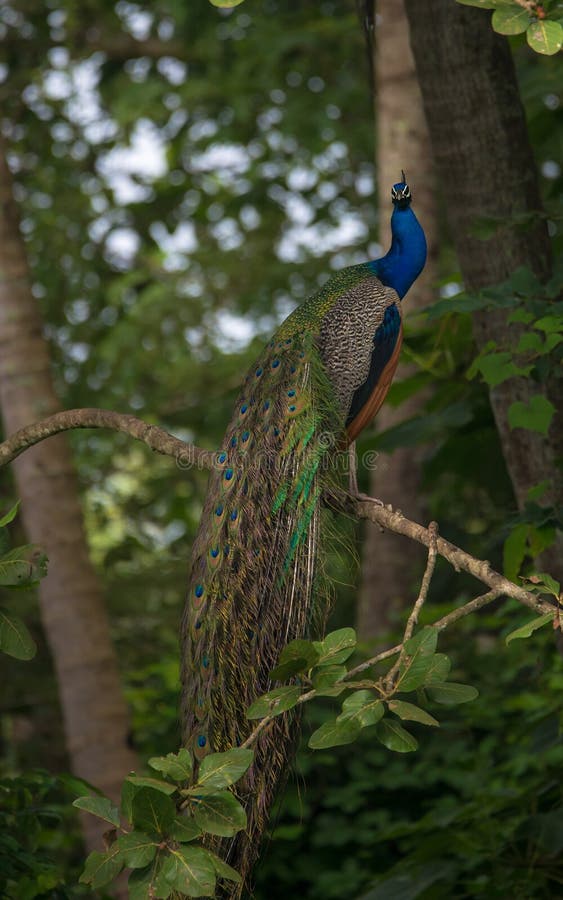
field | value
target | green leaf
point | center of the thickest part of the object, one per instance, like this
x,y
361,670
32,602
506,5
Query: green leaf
x,y
545,37
536,416
152,811
128,791
15,639
549,324
530,341
411,713
140,781
141,881
184,829
450,693
521,315
23,566
336,647
496,368
223,870
101,868
537,491
424,642
413,673
335,733
100,807
189,870
362,708
177,766
298,656
527,630
483,4
77,786
137,849
275,702
226,4
395,737
219,814
10,515
460,303
219,770
514,551
414,669
522,281
357,700
551,342
439,668
324,679
510,20
543,583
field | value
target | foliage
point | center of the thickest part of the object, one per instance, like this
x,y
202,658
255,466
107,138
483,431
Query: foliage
x,y
539,351
542,22
164,817
165,814
20,568
321,673
477,811
39,848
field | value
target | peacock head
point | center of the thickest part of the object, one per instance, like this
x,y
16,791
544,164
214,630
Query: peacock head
x,y
401,193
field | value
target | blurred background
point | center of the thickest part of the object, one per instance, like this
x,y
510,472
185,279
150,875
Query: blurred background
x,y
183,176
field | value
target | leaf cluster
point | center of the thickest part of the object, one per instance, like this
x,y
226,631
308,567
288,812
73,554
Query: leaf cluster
x,y
37,844
158,830
20,568
378,702
476,811
542,22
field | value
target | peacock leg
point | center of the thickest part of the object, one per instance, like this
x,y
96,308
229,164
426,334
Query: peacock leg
x,y
353,469
353,477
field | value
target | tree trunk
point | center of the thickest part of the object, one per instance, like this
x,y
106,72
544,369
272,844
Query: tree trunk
x,y
485,162
71,603
390,567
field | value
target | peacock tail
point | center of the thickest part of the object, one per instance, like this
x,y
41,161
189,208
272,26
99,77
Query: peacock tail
x,y
256,559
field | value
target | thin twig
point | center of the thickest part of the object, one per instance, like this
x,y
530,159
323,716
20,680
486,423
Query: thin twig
x,y
415,611
470,607
427,578
263,723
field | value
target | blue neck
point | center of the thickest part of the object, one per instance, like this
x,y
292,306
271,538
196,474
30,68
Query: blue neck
x,y
405,260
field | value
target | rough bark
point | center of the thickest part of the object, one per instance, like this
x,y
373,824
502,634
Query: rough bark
x,y
486,166
389,566
71,603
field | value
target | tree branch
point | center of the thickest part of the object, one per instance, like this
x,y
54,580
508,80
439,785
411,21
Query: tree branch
x,y
188,456
458,558
470,607
159,440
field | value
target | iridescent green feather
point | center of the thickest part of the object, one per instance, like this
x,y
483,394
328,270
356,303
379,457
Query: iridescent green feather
x,y
255,561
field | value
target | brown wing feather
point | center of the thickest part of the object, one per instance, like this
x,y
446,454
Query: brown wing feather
x,y
378,395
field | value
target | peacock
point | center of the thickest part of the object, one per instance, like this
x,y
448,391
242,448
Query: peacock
x,y
255,560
